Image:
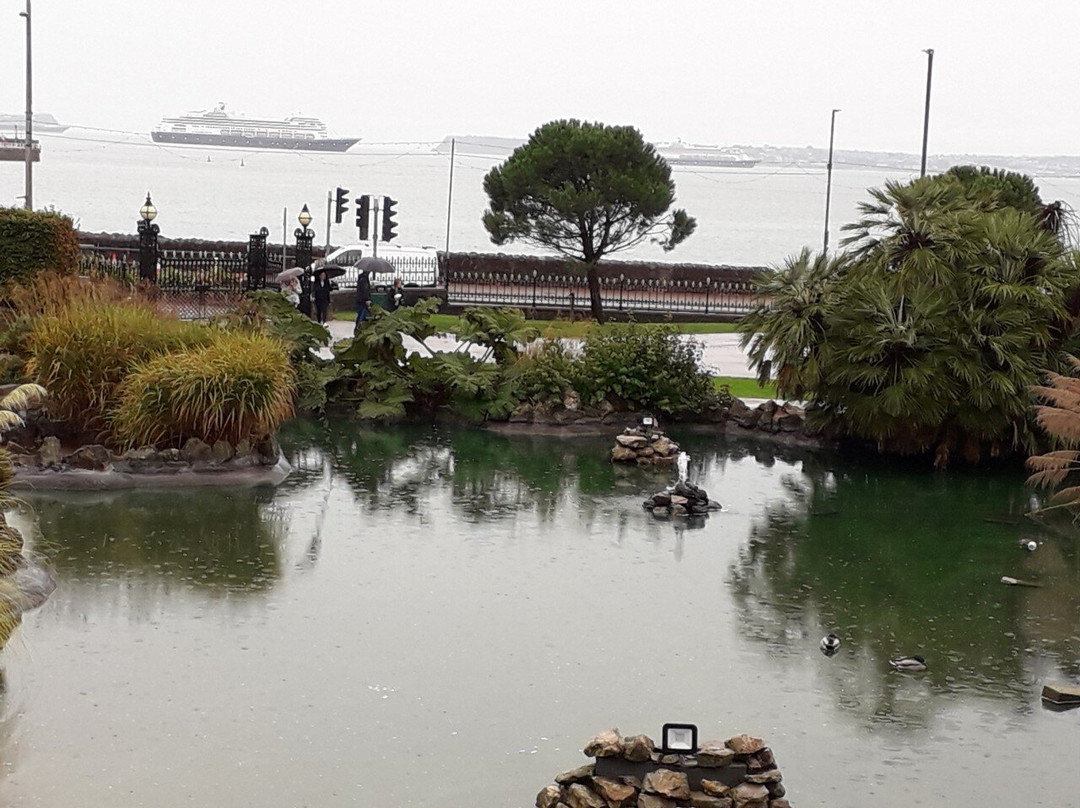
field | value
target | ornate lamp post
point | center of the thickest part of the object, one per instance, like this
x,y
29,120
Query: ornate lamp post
x,y
148,241
304,237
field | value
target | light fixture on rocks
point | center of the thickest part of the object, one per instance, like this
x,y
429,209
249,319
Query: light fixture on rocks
x,y
679,739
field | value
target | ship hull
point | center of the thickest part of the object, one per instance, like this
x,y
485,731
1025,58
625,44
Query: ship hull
x,y
711,162
235,141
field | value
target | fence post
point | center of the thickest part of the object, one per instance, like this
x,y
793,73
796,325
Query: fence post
x,y
708,287
534,290
571,307
256,260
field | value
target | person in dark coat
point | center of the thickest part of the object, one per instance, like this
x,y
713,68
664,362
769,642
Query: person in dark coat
x,y
322,295
363,296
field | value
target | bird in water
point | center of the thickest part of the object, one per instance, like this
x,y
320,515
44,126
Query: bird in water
x,y
911,663
830,644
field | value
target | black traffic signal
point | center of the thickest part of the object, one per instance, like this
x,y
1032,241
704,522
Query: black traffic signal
x,y
388,223
342,200
363,215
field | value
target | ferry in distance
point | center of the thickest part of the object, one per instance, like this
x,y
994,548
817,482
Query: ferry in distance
x,y
691,154
219,127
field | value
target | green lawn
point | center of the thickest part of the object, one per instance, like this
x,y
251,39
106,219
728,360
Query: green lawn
x,y
745,388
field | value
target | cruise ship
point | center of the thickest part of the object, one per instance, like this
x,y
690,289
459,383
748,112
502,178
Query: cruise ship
x,y
219,127
691,154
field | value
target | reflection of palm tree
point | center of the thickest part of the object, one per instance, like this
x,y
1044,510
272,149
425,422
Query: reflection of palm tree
x,y
909,562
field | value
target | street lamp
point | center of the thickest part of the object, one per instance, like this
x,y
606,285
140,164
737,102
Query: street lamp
x,y
926,114
29,155
828,182
304,237
148,241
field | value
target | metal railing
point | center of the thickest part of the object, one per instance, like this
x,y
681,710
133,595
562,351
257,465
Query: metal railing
x,y
618,293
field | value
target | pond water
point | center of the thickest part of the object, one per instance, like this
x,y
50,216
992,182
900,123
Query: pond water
x,y
442,618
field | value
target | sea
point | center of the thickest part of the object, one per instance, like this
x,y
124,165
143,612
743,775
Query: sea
x,y
746,216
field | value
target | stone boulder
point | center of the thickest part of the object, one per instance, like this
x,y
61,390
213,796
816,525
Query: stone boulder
x,y
94,457
606,744
49,453
667,783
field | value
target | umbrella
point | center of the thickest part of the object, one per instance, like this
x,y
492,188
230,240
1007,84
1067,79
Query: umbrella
x,y
290,274
373,265
331,271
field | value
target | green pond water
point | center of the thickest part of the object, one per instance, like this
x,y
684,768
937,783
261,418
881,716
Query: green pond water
x,y
443,618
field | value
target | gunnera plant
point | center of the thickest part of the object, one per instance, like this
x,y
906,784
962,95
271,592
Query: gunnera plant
x,y
239,386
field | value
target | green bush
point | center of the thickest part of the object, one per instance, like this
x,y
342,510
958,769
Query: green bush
x,y
643,367
544,371
239,386
36,241
83,353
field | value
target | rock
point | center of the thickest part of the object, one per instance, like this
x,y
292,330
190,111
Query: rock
x,y
621,454
663,498
221,452
745,744
779,804
145,458
606,744
738,409
661,512
581,796
748,794
715,788
50,453
769,776
714,753
171,455
667,783
679,510
522,414
572,400
549,797
670,760
667,460
638,747
644,461
776,790
565,416
195,451
714,505
648,451
699,799
665,446
95,457
760,761
789,419
268,451
632,441
654,801
676,499
616,794
576,775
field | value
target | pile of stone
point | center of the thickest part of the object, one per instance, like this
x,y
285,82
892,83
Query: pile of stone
x,y
768,416
645,446
631,773
684,499
195,455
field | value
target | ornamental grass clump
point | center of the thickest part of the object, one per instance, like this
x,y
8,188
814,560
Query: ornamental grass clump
x,y
240,386
85,351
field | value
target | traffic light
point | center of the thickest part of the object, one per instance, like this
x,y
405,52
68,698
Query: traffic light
x,y
388,223
342,200
363,211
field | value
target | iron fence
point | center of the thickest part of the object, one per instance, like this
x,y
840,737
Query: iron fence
x,y
566,291
413,271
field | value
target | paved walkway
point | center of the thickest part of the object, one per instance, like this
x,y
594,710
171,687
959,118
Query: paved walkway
x,y
722,355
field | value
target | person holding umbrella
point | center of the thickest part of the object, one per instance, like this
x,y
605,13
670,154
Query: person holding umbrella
x,y
363,296
322,289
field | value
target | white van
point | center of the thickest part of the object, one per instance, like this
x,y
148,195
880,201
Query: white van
x,y
416,266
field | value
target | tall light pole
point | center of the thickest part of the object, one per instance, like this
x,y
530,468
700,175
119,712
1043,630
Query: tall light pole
x,y
29,156
926,114
828,182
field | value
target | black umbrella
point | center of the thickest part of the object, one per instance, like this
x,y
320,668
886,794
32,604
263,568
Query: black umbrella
x,y
331,271
373,264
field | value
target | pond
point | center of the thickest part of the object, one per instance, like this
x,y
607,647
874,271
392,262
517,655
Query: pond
x,y
443,618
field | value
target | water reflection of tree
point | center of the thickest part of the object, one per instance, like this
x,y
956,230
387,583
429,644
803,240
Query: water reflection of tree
x,y
225,539
487,475
902,563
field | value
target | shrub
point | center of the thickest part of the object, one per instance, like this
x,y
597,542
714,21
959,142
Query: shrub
x,y
644,367
238,386
36,241
544,371
83,353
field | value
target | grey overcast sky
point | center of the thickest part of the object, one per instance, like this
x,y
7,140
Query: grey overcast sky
x,y
706,71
